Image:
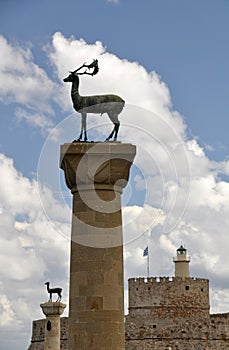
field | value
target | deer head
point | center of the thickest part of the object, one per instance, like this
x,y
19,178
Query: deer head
x,y
72,76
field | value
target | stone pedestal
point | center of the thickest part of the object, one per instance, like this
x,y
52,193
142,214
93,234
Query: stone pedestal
x,y
96,173
52,311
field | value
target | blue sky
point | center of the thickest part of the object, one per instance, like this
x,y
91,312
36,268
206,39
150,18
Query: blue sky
x,y
169,60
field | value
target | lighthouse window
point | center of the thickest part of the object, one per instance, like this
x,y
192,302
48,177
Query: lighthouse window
x,y
202,289
187,287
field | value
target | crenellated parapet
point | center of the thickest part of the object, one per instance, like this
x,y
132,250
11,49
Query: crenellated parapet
x,y
163,279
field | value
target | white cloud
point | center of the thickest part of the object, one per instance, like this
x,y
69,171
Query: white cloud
x,y
30,246
37,120
195,148
209,148
23,81
225,167
113,1
6,315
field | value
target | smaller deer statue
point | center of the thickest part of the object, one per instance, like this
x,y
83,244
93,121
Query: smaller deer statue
x,y
110,104
52,291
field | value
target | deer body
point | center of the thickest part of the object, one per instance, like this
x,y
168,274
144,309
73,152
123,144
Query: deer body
x,y
110,104
52,291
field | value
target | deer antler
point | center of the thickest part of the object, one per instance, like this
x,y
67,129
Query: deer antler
x,y
94,65
83,65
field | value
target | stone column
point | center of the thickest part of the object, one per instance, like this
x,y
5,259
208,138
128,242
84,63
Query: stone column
x,y
52,311
96,173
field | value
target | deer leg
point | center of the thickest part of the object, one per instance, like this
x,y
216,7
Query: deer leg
x,y
81,132
116,129
115,121
111,134
84,125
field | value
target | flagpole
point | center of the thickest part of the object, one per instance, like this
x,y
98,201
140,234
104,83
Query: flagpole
x,y
148,264
146,253
148,234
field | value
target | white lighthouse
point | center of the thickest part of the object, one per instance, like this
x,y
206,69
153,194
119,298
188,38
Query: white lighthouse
x,y
182,261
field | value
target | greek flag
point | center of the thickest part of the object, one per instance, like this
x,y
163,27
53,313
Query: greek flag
x,y
146,251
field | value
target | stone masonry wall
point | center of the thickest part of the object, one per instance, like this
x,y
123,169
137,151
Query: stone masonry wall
x,y
179,334
152,334
165,297
38,334
177,344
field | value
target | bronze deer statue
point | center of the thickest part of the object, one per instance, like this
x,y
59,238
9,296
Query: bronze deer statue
x,y
110,104
52,291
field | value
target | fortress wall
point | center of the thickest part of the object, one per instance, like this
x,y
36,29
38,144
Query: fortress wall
x,y
176,344
164,297
179,334
219,324
168,329
158,334
38,334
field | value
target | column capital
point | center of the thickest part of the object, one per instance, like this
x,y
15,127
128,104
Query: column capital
x,y
53,308
98,163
